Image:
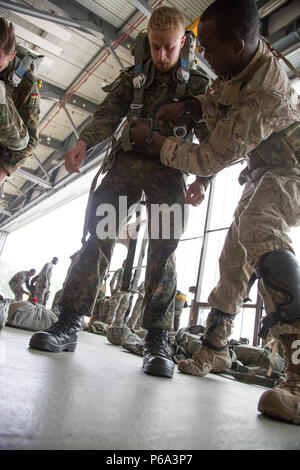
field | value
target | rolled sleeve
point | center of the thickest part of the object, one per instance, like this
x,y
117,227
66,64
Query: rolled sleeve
x,y
244,128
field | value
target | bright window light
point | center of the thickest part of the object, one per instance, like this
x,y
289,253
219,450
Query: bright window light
x,y
296,86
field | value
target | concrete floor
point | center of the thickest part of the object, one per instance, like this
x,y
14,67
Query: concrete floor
x,y
99,398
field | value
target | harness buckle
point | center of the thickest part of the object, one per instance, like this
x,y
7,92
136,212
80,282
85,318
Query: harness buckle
x,y
139,80
182,74
180,131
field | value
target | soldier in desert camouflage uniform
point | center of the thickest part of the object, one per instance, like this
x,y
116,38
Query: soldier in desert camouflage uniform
x,y
119,300
19,108
133,321
18,280
253,113
132,173
42,285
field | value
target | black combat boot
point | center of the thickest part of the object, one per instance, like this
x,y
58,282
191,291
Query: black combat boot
x,y
62,336
157,358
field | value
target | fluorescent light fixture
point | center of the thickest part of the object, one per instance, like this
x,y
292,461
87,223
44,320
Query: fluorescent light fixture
x,y
48,26
37,40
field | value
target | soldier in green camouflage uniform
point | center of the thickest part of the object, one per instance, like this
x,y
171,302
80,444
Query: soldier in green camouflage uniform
x,y
253,113
132,173
19,107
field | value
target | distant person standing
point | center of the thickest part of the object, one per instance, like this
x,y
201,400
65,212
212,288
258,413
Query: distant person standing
x,y
42,286
17,281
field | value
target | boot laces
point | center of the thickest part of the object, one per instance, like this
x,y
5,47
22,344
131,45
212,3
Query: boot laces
x,y
157,344
63,326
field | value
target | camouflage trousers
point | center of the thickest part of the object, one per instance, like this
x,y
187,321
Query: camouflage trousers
x,y
118,307
268,207
18,293
133,321
132,177
13,132
42,290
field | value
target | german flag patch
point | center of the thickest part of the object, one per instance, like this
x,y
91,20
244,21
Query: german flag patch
x,y
34,95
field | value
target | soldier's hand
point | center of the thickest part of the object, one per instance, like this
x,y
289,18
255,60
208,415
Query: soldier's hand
x,y
75,156
195,193
170,113
139,132
144,140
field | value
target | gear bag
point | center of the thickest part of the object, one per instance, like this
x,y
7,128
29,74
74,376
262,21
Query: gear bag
x,y
29,316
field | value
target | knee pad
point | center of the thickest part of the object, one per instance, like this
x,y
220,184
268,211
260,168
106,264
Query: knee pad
x,y
280,271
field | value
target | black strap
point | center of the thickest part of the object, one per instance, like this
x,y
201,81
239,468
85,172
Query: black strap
x,y
256,275
213,347
268,321
218,318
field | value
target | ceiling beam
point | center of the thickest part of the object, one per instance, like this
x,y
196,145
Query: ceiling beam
x,y
55,93
142,6
32,177
77,17
48,141
87,20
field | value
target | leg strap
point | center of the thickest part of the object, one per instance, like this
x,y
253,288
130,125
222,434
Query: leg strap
x,y
218,314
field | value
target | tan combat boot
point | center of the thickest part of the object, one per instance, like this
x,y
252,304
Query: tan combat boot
x,y
213,354
283,402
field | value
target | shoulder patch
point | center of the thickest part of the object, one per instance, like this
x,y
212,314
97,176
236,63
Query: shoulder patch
x,y
114,85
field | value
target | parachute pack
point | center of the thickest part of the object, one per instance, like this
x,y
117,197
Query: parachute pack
x,y
26,62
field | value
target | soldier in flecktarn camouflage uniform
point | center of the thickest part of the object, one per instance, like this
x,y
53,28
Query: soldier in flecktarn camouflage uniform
x,y
18,280
131,173
254,113
19,106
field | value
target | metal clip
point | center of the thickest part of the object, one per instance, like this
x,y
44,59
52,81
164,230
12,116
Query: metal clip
x,y
182,74
180,131
139,81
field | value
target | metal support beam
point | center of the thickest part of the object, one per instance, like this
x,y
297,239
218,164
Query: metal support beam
x,y
48,141
7,181
287,36
54,93
40,165
113,53
3,237
71,121
78,17
194,308
86,20
35,179
142,6
266,7
3,211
